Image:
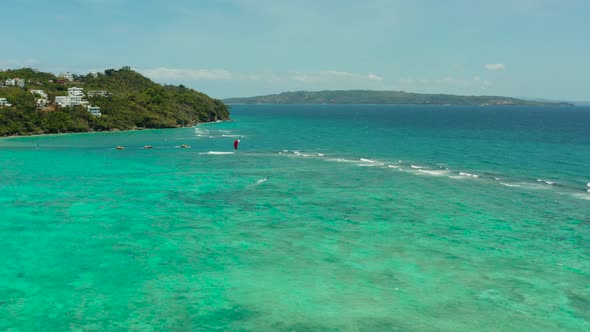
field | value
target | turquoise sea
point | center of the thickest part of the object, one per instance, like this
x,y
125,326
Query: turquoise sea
x,y
327,218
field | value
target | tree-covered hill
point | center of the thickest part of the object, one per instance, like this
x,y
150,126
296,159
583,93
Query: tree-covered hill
x,y
382,97
133,102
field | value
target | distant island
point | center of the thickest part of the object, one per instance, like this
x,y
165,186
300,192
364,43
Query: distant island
x,y
384,97
33,102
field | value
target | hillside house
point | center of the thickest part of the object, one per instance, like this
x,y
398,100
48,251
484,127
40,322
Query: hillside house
x,y
4,102
94,110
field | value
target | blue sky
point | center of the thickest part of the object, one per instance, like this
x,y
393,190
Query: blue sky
x,y
522,48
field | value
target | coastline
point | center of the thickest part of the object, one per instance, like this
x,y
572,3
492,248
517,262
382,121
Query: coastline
x,y
107,131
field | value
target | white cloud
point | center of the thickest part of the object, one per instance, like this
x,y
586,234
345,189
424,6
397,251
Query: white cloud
x,y
494,66
324,76
12,64
448,84
331,75
193,74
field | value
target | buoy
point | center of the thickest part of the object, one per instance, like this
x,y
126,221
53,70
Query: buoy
x,y
236,142
120,147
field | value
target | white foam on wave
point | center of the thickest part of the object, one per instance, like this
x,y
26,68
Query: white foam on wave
x,y
394,166
297,153
588,184
416,167
433,172
468,174
321,154
525,185
342,160
367,160
201,132
546,181
225,135
585,196
261,181
217,152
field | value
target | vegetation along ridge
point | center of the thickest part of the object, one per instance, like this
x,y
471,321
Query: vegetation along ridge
x,y
33,102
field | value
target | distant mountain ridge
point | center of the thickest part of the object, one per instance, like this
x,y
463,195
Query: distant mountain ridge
x,y
384,97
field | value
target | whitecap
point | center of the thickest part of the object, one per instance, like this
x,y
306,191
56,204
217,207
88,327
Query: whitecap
x,y
216,152
509,184
433,172
546,181
261,181
416,167
457,177
367,160
585,196
526,185
341,160
468,174
321,154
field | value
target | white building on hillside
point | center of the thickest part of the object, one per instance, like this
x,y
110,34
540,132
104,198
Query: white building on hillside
x,y
77,100
67,101
4,102
94,110
63,101
75,97
74,91
98,93
15,82
41,102
40,93
68,76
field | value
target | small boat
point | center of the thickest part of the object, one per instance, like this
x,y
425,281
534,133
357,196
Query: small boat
x,y
148,147
120,147
184,146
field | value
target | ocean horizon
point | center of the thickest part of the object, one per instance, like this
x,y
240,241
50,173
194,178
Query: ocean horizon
x,y
326,218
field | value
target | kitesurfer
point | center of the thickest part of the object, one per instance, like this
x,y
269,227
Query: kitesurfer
x,y
236,142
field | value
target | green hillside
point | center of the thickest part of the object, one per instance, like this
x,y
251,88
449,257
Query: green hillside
x,y
133,102
382,97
